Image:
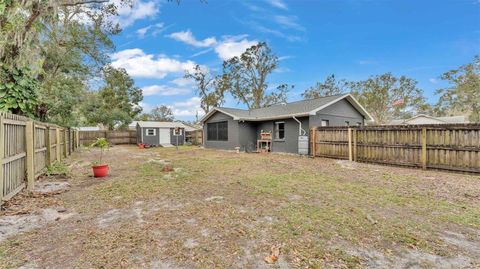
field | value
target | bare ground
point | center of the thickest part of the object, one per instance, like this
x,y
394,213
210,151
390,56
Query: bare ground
x,y
220,209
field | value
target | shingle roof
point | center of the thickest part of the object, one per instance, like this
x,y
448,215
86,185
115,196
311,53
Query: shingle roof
x,y
160,124
298,108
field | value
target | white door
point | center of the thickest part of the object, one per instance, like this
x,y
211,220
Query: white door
x,y
164,136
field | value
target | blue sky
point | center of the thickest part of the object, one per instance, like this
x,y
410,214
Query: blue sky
x,y
352,39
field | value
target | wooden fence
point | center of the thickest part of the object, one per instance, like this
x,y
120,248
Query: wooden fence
x,y
113,137
27,147
194,137
450,147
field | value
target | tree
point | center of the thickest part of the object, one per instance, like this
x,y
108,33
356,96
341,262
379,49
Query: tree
x,y
208,88
162,113
463,93
245,77
116,103
331,86
387,97
17,90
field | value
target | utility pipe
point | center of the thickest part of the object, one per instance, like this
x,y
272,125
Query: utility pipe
x,y
300,130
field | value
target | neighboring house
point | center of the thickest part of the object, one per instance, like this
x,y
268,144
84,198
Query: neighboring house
x,y
227,128
88,128
160,133
133,125
425,119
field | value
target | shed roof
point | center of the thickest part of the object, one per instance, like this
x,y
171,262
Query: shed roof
x,y
160,124
286,110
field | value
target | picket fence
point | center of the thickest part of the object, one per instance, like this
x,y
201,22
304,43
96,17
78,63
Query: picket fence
x,y
450,147
27,147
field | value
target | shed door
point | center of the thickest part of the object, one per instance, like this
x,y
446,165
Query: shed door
x,y
164,136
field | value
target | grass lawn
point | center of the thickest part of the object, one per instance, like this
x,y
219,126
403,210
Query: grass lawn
x,y
225,210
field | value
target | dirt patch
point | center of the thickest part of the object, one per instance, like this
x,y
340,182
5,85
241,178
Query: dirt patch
x,y
12,225
51,187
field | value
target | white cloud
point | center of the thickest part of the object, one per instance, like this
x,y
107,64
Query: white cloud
x,y
182,82
232,47
278,4
433,80
146,107
139,10
228,47
189,107
164,90
139,64
187,37
289,22
154,28
367,62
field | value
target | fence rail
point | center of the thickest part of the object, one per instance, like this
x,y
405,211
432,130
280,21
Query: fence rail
x,y
451,147
113,137
27,147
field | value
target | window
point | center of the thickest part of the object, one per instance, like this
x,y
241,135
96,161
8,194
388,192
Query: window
x,y
217,131
280,130
177,131
359,124
347,123
151,132
325,123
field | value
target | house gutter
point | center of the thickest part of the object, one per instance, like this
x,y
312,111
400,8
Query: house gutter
x,y
300,130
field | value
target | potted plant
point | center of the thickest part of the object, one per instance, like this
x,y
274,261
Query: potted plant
x,y
99,168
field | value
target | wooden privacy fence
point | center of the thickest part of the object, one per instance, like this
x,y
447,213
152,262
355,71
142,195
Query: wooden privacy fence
x,y
194,137
27,147
113,137
450,147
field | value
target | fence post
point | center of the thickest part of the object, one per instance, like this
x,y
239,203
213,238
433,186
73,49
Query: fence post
x,y
354,145
314,141
424,148
57,148
350,149
47,144
30,152
65,145
78,138
2,152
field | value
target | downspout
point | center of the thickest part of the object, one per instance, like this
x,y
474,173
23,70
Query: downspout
x,y
300,130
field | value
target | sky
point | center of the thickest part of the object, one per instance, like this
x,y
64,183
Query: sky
x,y
353,39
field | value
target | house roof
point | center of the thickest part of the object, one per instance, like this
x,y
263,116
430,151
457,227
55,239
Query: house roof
x,y
439,120
280,111
160,124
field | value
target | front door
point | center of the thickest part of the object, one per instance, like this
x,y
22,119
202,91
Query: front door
x,y
164,136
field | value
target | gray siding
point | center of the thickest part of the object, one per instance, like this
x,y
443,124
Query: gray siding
x,y
248,136
233,132
173,138
245,134
337,115
290,143
149,140
154,140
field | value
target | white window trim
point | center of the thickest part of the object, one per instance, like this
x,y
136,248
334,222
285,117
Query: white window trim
x,y
154,132
277,131
179,133
327,122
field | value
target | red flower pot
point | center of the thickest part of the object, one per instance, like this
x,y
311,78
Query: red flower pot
x,y
142,146
100,170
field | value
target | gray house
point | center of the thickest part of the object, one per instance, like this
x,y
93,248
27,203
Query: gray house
x,y
228,128
160,133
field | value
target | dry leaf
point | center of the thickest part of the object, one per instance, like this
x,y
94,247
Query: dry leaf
x,y
274,253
